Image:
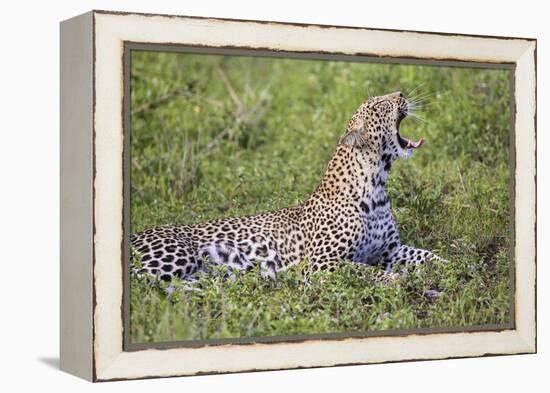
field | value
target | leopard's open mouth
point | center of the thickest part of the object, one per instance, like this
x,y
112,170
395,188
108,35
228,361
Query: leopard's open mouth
x,y
406,143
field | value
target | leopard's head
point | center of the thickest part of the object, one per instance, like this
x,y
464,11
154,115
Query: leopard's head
x,y
375,126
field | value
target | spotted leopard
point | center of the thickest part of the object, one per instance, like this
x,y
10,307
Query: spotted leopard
x,y
348,217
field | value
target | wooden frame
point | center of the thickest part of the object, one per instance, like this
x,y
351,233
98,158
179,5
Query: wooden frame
x,y
92,198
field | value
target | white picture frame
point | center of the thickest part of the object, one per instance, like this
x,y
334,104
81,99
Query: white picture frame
x,y
92,193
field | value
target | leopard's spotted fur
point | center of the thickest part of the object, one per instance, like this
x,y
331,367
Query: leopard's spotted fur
x,y
348,217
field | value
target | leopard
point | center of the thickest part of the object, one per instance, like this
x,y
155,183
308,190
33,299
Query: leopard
x,y
348,218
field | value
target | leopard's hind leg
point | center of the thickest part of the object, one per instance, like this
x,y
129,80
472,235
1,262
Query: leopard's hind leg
x,y
223,254
164,256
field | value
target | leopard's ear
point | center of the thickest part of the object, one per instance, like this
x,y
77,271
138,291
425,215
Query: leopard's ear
x,y
354,137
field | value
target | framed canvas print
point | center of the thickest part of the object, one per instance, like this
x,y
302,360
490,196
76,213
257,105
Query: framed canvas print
x,y
246,195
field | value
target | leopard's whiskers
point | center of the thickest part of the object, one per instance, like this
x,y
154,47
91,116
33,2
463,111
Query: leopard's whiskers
x,y
420,101
420,105
410,93
414,116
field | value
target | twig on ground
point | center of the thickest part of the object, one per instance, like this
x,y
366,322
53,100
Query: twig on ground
x,y
159,101
461,178
230,90
216,140
177,92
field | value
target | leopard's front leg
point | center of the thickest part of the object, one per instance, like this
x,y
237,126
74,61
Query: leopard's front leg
x,y
407,255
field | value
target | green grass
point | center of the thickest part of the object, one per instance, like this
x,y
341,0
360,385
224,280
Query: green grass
x,y
216,136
